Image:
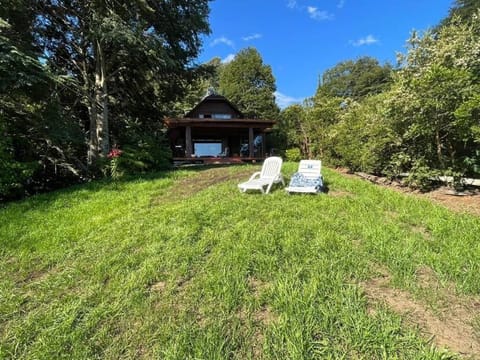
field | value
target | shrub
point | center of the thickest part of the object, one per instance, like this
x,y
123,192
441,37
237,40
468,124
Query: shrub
x,y
293,154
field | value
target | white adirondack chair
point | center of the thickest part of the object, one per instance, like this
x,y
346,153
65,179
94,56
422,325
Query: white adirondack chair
x,y
308,178
270,174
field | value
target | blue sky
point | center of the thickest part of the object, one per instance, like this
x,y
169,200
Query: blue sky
x,y
300,39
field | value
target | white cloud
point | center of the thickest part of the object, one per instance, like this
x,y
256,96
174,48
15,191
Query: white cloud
x,y
292,4
318,14
252,37
228,58
222,40
284,101
341,4
367,40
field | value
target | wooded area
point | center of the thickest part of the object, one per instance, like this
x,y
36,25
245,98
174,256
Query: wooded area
x,y
421,117
81,77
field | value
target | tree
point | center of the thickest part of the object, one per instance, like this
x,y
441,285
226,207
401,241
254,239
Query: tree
x,y
206,79
130,56
434,102
355,79
248,83
35,140
463,10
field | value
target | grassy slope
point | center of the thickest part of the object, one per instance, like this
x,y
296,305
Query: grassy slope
x,y
128,271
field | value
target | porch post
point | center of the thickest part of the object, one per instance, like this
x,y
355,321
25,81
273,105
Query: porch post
x,y
250,142
188,141
264,144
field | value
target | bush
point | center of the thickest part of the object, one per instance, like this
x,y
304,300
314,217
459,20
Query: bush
x,y
293,155
147,154
422,176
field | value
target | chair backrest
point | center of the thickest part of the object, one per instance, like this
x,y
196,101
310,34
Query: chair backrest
x,y
271,167
310,168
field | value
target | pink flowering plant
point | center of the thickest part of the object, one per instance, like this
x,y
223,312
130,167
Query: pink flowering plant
x,y
114,157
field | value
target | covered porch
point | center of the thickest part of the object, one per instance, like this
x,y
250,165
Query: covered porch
x,y
218,141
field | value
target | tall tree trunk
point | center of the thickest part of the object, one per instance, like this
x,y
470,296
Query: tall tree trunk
x,y
306,143
439,147
92,154
99,145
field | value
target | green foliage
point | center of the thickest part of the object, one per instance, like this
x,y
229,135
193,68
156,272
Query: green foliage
x,y
248,83
206,78
434,105
144,156
421,120
293,154
462,10
38,143
103,67
355,79
421,175
362,139
13,174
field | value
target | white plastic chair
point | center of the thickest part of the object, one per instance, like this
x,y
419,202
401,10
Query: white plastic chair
x,y
309,178
270,174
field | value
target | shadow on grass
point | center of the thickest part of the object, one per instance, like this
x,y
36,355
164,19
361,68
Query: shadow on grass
x,y
84,190
91,188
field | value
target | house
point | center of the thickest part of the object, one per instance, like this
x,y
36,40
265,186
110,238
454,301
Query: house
x,y
216,131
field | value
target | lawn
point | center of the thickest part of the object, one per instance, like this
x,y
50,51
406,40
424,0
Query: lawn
x,y
181,265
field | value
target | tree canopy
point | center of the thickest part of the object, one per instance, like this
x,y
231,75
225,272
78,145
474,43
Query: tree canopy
x,y
249,84
106,73
421,118
355,79
462,9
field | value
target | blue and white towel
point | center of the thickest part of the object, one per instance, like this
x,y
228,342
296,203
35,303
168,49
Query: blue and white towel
x,y
299,180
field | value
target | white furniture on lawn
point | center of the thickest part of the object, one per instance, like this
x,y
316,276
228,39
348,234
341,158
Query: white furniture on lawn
x,y
308,178
270,174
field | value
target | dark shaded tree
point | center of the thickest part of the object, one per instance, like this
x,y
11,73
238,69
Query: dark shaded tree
x,y
129,59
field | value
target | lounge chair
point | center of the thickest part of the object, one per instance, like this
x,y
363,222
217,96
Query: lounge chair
x,y
308,179
270,174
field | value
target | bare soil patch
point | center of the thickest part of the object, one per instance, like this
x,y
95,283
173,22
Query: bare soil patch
x,y
257,286
159,286
450,328
201,181
340,193
468,203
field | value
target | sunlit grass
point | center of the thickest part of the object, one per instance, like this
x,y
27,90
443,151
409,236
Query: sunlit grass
x,y
126,270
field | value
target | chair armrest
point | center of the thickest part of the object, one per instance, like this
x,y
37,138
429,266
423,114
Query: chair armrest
x,y
254,175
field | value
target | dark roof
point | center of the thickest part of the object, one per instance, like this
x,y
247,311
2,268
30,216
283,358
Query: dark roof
x,y
214,98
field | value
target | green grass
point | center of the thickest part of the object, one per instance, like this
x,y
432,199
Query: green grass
x,y
127,270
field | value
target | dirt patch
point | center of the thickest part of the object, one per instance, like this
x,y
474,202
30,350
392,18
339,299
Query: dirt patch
x,y
451,328
340,193
443,196
421,230
257,286
159,286
187,187
264,316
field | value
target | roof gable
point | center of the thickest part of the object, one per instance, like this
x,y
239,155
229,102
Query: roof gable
x,y
214,105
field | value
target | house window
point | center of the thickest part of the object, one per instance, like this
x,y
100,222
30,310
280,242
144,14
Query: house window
x,y
215,116
207,148
222,116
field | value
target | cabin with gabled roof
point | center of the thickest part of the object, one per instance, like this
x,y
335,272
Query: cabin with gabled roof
x,y
216,131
